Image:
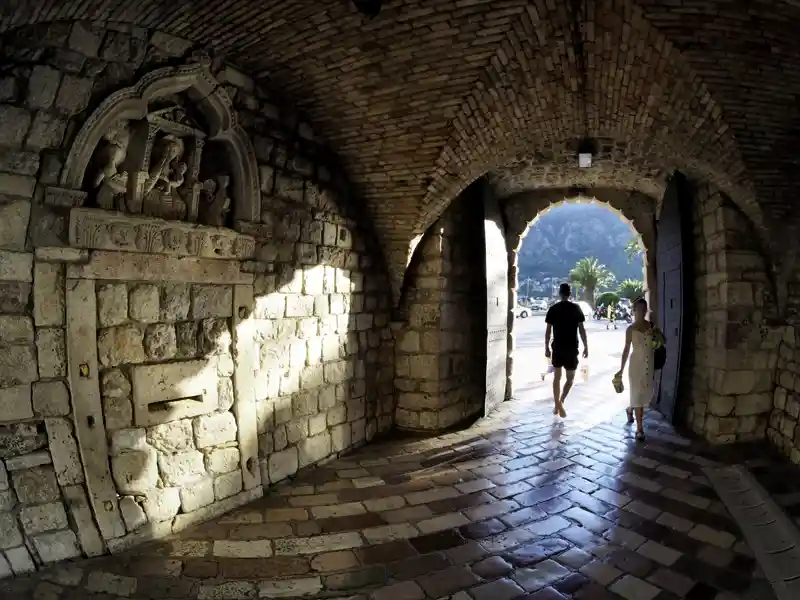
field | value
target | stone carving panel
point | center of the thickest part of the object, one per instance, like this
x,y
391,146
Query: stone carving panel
x,y
104,230
153,167
169,148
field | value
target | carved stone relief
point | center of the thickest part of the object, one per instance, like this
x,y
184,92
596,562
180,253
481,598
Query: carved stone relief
x,y
104,230
168,147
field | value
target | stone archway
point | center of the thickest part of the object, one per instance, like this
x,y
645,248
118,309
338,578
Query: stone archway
x,y
522,209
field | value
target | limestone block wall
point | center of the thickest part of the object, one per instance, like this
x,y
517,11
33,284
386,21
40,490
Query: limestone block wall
x,y
733,359
441,346
784,421
325,354
159,368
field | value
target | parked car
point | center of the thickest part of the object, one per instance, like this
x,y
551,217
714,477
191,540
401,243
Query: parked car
x,y
539,305
522,312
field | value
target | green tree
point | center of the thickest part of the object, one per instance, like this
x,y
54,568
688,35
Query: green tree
x,y
633,249
631,289
607,298
590,274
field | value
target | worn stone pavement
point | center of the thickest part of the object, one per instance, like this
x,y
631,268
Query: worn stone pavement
x,y
521,504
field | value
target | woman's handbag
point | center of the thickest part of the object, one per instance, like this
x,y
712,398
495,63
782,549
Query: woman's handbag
x,y
617,383
659,349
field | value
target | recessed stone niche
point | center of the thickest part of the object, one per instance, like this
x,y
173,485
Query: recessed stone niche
x,y
168,392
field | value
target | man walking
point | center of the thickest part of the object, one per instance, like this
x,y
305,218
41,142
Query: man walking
x,y
564,322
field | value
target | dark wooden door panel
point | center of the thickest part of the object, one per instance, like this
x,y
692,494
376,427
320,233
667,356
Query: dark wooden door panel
x,y
671,263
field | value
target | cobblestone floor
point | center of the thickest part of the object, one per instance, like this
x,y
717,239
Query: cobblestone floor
x,y
519,505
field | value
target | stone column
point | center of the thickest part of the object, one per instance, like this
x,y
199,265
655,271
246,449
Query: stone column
x,y
440,349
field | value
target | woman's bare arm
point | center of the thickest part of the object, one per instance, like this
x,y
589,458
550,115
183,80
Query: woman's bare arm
x,y
627,349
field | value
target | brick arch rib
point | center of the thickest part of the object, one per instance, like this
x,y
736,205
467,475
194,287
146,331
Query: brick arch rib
x,y
525,102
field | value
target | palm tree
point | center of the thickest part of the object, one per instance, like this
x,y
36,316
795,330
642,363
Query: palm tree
x,y
631,289
590,274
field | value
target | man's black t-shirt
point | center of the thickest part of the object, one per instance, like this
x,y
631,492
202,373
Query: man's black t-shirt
x,y
565,316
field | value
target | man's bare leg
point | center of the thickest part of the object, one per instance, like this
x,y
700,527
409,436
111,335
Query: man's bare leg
x,y
556,390
565,391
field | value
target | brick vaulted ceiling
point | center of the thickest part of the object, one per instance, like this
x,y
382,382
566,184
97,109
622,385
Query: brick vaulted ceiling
x,y
432,94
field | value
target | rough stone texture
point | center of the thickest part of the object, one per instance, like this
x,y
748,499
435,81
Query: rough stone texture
x,y
52,352
17,365
64,451
15,403
51,399
132,513
160,342
120,345
45,517
227,485
440,348
112,304
17,439
144,303
36,486
181,468
48,295
198,495
57,546
175,302
171,438
117,406
729,376
211,301
135,471
214,429
783,429
14,217
222,460
162,504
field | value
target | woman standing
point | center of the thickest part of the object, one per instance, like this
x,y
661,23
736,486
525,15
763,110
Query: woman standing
x,y
641,369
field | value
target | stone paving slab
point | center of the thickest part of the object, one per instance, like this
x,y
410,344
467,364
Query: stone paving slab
x,y
521,505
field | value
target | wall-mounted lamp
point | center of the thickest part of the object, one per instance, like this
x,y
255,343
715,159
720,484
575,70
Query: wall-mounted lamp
x,y
586,152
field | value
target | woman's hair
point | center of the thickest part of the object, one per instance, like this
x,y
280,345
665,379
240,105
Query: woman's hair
x,y
641,301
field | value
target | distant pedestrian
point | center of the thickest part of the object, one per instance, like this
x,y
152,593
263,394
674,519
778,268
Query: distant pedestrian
x,y
612,317
564,322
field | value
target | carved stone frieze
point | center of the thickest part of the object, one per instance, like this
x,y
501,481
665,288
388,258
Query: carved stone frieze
x,y
103,230
56,196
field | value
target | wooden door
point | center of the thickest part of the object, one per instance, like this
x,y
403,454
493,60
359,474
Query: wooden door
x,y
496,302
673,266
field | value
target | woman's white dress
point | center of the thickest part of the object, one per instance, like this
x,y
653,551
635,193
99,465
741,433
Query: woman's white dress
x,y
640,369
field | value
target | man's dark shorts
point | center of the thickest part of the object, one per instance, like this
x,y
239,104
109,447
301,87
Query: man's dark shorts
x,y
567,360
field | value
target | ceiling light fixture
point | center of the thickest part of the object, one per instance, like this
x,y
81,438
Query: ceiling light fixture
x,y
587,147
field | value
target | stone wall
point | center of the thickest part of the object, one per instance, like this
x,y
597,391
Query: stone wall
x,y
441,348
735,351
159,368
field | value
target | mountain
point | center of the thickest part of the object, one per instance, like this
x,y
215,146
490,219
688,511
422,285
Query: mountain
x,y
567,233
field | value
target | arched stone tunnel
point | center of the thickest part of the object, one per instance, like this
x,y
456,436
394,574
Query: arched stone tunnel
x,y
238,240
